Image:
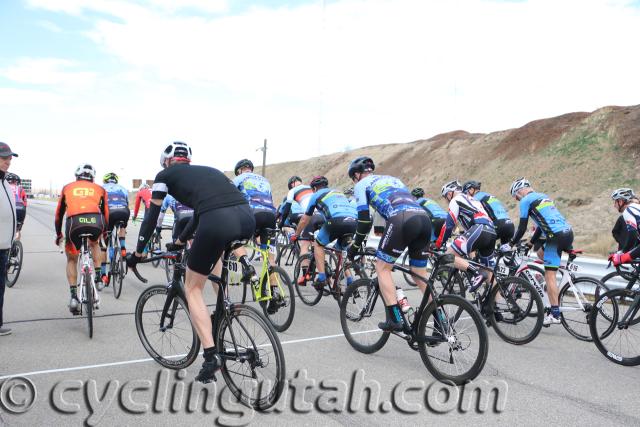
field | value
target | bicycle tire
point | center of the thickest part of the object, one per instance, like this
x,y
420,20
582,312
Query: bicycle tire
x,y
257,348
178,305
15,262
407,277
609,344
362,305
117,275
308,294
88,302
578,326
460,311
281,323
510,288
156,245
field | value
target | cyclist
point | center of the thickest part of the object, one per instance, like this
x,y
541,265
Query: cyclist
x,y
436,214
20,197
479,233
407,225
626,202
293,218
494,208
302,195
86,207
555,229
221,215
182,214
144,196
348,192
118,197
339,222
625,237
257,190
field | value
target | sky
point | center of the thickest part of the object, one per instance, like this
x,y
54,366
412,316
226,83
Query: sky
x,y
112,82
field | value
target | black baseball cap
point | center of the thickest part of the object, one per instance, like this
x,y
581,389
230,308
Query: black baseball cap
x,y
5,150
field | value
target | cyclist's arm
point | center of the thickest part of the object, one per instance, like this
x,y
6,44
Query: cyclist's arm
x,y
148,225
104,206
304,221
136,208
23,196
187,232
285,212
449,224
524,221
632,230
60,209
487,208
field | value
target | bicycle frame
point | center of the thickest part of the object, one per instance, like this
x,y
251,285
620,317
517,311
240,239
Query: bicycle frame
x,y
262,292
86,265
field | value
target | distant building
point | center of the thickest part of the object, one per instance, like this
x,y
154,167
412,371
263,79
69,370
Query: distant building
x,y
26,184
138,182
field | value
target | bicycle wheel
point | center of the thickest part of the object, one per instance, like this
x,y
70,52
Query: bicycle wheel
x,y
14,265
253,360
620,279
405,263
361,309
305,289
156,246
509,306
618,343
368,260
88,301
117,273
167,336
282,306
461,351
449,281
169,265
537,273
574,309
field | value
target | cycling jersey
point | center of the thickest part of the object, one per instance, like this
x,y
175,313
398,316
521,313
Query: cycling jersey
x,y
144,195
117,195
631,217
494,207
465,212
432,208
544,213
331,204
256,190
79,198
386,194
301,195
179,210
20,196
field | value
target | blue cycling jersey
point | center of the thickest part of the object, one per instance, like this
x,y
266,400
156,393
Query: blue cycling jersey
x,y
494,207
544,213
178,208
295,207
331,204
432,207
386,194
117,196
256,190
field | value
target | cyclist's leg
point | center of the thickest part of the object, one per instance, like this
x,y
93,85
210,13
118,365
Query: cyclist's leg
x,y
323,238
418,231
21,213
505,229
123,231
553,248
72,252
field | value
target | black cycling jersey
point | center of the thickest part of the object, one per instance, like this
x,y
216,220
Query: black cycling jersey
x,y
201,187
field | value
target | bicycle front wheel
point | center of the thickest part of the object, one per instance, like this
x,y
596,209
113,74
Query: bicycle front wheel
x,y
619,342
515,310
452,339
14,265
577,302
164,328
305,282
253,360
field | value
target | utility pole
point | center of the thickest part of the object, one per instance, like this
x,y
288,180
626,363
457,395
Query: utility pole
x,y
264,155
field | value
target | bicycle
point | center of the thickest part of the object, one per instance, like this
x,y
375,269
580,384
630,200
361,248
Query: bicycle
x,y
87,293
276,299
440,329
624,276
249,347
509,304
117,264
288,252
576,294
14,263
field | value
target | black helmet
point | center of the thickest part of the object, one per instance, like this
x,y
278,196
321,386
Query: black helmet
x,y
471,184
417,192
348,191
244,163
293,179
12,177
361,164
319,181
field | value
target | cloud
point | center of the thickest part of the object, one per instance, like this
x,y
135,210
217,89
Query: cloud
x,y
51,26
12,97
51,72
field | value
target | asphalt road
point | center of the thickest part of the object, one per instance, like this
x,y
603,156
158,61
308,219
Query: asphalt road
x,y
553,380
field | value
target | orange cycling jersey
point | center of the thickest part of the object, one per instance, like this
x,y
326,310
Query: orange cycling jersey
x,y
81,197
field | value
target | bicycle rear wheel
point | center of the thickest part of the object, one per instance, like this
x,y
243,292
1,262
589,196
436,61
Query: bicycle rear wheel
x,y
361,310
574,318
407,277
88,300
282,306
253,360
305,287
14,264
156,246
455,346
164,327
117,272
618,343
511,307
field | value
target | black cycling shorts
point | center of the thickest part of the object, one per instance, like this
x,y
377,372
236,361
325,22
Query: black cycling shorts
x,y
77,225
216,229
315,223
478,238
179,223
118,215
406,230
264,220
21,213
342,229
505,229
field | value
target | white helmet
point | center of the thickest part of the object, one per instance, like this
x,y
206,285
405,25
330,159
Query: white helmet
x,y
175,149
85,171
625,194
519,184
450,186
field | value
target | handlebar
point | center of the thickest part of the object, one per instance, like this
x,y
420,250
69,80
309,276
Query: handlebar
x,y
159,256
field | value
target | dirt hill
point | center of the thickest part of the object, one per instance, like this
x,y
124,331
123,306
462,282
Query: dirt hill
x,y
576,158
